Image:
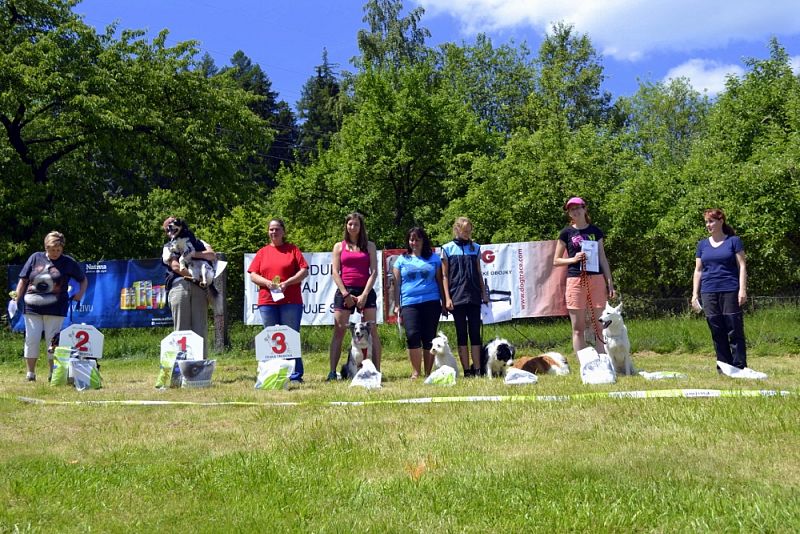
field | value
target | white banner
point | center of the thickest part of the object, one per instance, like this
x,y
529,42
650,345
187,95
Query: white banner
x,y
520,277
317,290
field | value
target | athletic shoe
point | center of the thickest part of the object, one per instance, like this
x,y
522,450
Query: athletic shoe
x,y
31,377
332,376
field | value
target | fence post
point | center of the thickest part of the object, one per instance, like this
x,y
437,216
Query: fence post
x,y
222,340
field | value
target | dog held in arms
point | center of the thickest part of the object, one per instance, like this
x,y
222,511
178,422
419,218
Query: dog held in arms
x,y
615,336
360,348
496,356
182,244
443,355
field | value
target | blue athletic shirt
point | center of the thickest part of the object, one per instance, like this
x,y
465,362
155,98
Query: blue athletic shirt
x,y
720,271
418,278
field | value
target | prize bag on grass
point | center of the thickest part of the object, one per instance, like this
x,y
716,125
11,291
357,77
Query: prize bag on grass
x,y
61,357
274,374
85,374
519,377
443,376
169,374
367,377
596,368
196,373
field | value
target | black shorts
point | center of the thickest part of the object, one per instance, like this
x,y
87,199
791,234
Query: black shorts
x,y
338,300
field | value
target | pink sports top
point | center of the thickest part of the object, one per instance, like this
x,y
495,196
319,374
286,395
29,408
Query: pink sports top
x,y
355,267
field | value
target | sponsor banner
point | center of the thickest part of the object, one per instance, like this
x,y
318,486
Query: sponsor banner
x,y
317,289
539,286
120,294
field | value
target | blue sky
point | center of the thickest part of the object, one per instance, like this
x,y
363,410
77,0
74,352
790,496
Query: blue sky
x,y
702,40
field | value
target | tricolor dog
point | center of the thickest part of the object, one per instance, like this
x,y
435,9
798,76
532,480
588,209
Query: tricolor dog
x,y
360,348
553,363
182,244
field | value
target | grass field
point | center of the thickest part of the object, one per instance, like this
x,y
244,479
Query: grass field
x,y
585,464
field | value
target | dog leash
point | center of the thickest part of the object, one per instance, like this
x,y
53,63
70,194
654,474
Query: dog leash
x,y
585,284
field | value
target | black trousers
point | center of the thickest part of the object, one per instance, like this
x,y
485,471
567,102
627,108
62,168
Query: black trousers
x,y
467,318
726,322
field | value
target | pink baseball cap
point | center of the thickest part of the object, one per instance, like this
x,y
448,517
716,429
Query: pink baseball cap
x,y
574,201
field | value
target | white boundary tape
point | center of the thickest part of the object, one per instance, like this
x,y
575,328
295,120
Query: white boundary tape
x,y
651,394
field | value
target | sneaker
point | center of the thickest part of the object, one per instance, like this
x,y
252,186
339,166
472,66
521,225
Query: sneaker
x,y
332,376
469,373
294,383
31,377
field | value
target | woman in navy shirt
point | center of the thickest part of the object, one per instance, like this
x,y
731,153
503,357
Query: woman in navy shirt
x,y
719,287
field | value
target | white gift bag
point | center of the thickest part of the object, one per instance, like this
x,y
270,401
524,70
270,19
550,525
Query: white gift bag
x,y
367,377
274,374
596,368
519,377
735,372
443,376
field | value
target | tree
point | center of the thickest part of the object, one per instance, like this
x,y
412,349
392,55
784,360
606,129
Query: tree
x,y
495,82
392,40
319,110
90,117
568,88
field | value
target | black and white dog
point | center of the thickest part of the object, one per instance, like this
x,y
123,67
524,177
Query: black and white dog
x,y
182,244
360,348
496,356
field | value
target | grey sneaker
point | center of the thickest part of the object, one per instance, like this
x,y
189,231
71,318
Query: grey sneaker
x,y
31,377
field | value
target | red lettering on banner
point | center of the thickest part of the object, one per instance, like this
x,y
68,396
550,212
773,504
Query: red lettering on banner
x,y
521,268
487,256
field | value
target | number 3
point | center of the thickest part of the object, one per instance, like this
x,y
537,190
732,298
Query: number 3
x,y
279,343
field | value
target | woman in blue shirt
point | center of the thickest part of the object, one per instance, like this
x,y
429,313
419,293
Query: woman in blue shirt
x,y
420,294
719,287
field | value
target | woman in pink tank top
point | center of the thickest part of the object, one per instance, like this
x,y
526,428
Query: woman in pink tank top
x,y
355,269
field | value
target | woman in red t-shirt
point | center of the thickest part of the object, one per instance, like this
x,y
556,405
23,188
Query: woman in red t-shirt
x,y
354,270
277,270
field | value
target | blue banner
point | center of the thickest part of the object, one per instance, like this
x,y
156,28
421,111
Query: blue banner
x,y
121,294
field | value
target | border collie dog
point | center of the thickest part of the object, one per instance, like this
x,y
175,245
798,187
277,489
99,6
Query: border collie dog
x,y
496,356
182,244
440,348
360,348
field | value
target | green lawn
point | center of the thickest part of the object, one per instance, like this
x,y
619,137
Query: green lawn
x,y
585,464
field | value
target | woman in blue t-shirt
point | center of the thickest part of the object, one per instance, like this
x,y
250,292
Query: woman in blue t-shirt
x,y
420,294
719,288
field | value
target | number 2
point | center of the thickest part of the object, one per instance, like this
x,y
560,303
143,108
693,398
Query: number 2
x,y
83,338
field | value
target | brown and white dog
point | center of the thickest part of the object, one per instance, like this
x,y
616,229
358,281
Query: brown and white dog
x,y
553,363
360,348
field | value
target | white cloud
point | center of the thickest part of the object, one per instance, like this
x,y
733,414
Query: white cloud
x,y
705,75
630,29
794,61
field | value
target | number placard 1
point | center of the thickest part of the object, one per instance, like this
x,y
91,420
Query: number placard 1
x,y
277,342
84,338
185,341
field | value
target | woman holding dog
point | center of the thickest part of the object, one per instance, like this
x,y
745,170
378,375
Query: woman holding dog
x,y
420,294
43,297
355,268
464,291
719,287
589,283
188,302
278,269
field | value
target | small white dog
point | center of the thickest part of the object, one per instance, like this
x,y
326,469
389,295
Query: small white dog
x,y
440,348
615,336
496,356
360,348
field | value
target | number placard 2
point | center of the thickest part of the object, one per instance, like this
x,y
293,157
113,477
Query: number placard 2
x,y
84,338
183,341
277,342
